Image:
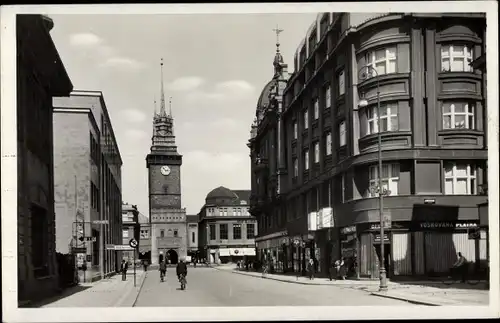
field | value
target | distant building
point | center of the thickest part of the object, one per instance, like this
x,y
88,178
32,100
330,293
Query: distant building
x,y
192,227
144,238
166,214
40,76
87,161
130,229
226,229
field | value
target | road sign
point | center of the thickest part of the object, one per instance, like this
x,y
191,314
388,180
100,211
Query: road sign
x,y
79,250
92,239
100,222
133,243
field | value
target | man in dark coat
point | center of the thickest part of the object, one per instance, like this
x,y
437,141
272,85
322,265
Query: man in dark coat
x,y
181,269
124,269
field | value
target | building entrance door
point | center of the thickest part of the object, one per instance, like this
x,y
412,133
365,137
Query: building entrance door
x,y
173,256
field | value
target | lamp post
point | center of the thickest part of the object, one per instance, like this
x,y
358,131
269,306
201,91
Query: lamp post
x,y
363,103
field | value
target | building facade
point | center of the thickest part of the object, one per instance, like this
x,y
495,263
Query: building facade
x,y
131,229
166,215
87,172
192,227
144,238
40,76
433,144
226,228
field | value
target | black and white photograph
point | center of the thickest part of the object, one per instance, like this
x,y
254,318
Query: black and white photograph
x,y
249,162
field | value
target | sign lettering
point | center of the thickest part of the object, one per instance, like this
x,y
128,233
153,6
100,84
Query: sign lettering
x,y
446,225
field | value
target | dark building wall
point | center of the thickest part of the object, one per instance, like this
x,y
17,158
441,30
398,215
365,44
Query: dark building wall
x,y
40,76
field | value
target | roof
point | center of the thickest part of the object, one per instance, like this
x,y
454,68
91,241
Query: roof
x,y
224,196
143,219
264,95
243,195
192,218
220,192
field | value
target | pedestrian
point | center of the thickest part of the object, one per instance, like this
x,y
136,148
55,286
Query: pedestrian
x,y
163,270
332,270
145,263
460,267
124,269
342,268
310,269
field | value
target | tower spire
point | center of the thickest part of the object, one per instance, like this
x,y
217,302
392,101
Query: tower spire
x,y
278,31
162,98
170,107
278,58
154,107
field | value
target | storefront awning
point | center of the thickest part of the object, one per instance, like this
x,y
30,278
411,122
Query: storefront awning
x,y
242,251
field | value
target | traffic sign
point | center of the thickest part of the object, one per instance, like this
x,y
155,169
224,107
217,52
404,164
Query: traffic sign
x,y
100,222
119,247
92,239
133,243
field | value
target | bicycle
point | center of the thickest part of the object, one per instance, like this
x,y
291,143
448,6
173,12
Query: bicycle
x,y
456,277
182,280
265,271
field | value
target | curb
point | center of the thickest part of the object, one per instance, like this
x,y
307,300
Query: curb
x,y
122,301
140,288
400,298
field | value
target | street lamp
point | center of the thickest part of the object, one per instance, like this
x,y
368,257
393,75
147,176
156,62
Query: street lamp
x,y
363,103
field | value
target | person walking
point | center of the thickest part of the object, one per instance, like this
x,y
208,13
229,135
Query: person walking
x,y
310,269
145,264
124,268
460,267
342,268
331,270
163,270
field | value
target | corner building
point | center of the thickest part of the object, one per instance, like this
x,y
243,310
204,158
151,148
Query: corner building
x,y
433,143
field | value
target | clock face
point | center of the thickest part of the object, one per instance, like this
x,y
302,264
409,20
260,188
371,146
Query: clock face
x,y
165,170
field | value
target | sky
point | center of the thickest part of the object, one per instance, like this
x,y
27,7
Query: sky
x,y
215,66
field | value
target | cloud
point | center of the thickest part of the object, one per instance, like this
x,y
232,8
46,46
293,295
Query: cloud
x,y
215,162
85,40
123,63
224,91
185,83
134,115
135,134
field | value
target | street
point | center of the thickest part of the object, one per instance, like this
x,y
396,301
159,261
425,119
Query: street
x,y
212,287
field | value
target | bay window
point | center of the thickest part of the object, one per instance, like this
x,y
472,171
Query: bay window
x,y
388,118
382,60
390,180
459,179
458,115
456,58
342,134
328,143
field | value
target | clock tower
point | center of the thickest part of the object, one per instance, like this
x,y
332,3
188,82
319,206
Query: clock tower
x,y
166,215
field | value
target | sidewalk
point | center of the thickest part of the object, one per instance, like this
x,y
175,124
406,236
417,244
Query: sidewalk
x,y
421,292
108,292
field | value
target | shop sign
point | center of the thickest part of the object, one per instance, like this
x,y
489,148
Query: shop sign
x,y
447,225
348,230
325,218
377,238
312,221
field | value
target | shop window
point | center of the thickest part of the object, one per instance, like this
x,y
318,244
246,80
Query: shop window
x,y
328,143
388,118
456,58
382,60
306,119
460,179
342,134
306,159
236,231
390,180
458,115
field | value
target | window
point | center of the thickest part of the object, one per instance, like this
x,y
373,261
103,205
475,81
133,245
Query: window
x,y
458,115
94,196
328,97
193,237
212,232
295,167
460,179
125,233
341,82
342,134
382,60
456,58
176,233
388,118
236,231
162,233
306,159
316,109
390,179
39,241
316,152
306,119
295,130
328,143
144,234
224,211
342,187
223,231
250,230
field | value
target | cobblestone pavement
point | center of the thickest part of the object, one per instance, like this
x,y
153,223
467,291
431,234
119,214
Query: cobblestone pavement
x,y
425,292
109,292
211,287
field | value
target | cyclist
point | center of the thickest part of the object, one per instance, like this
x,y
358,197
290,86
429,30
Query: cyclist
x,y
460,267
181,269
163,269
